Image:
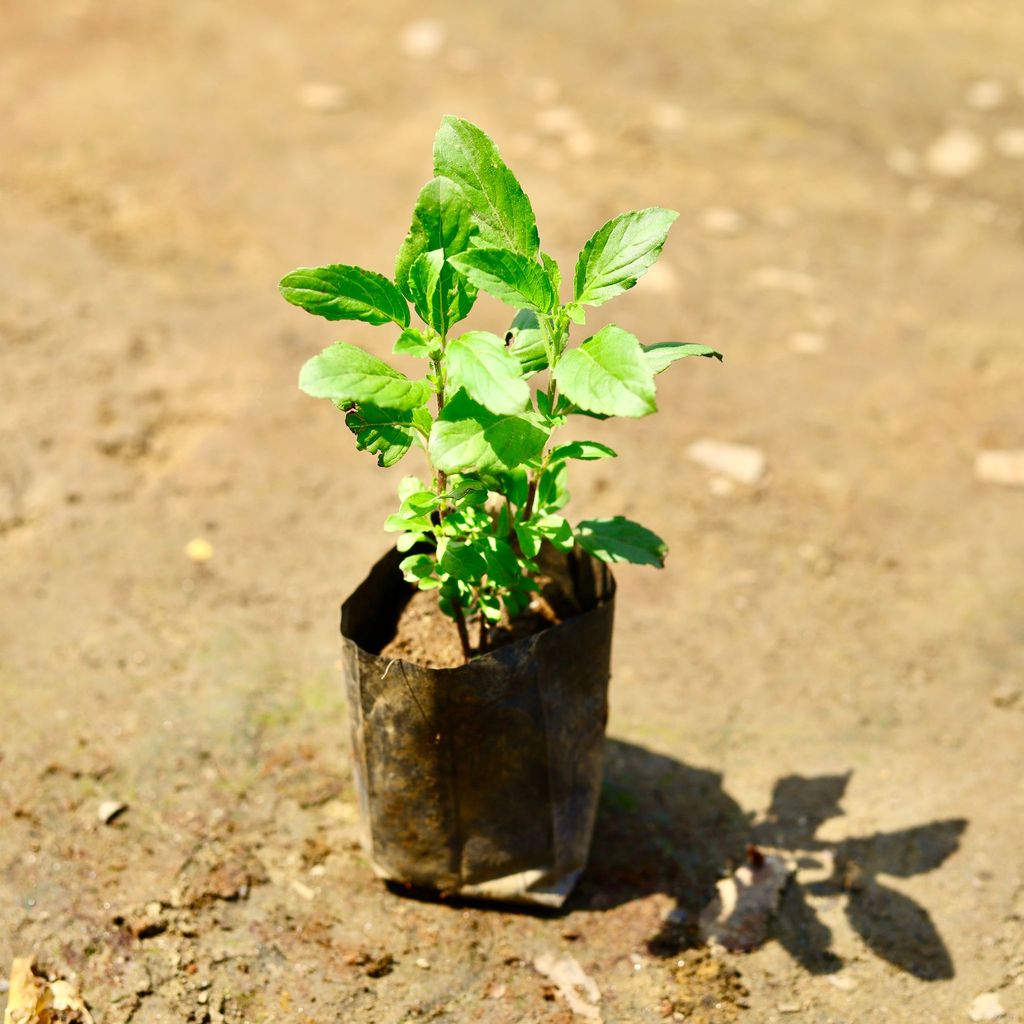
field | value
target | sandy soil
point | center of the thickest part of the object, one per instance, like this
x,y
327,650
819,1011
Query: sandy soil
x,y
826,664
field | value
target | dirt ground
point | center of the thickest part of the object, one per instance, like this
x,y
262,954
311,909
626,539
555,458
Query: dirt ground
x,y
827,664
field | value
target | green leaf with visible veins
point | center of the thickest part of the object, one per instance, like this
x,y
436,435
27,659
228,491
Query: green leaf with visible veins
x,y
501,208
608,374
340,292
411,343
345,373
462,561
425,289
621,252
508,276
527,341
621,540
553,271
441,222
491,375
386,433
660,357
588,451
466,437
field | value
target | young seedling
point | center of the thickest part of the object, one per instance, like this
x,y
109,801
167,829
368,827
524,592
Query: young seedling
x,y
498,483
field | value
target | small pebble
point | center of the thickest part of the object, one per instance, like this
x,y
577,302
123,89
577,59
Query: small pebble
x,y
1005,696
721,221
669,117
109,810
1000,467
199,550
903,161
1010,143
986,1007
985,94
497,991
956,153
545,90
842,982
322,97
789,1007
807,343
782,280
740,462
423,963
422,39
303,890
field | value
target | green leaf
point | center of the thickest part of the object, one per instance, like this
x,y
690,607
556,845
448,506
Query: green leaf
x,y
553,271
556,530
340,292
386,433
529,539
416,567
412,342
608,374
407,541
553,489
410,485
345,373
621,540
588,451
502,565
491,375
461,560
661,357
576,313
466,437
441,222
425,289
620,253
501,208
508,276
527,341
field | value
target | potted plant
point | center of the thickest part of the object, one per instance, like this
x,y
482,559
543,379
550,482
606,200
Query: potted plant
x,y
478,771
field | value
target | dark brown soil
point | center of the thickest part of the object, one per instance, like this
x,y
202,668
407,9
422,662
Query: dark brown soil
x,y
426,636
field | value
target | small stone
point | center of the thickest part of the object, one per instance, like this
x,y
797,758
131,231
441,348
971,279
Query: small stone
x,y
199,550
721,221
545,90
322,97
903,161
496,991
782,280
985,94
109,810
843,982
740,462
557,120
789,1007
956,153
423,963
581,143
1005,696
422,39
986,1007
577,988
303,890
1010,143
669,117
807,343
1005,467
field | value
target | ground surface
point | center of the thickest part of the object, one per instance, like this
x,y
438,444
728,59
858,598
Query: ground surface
x,y
815,667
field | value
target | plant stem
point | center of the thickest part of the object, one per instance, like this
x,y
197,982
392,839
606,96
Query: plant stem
x,y
460,625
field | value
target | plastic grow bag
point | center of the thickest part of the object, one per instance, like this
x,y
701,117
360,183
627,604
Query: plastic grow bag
x,y
481,780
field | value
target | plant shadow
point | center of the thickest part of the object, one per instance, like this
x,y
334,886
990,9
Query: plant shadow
x,y
666,827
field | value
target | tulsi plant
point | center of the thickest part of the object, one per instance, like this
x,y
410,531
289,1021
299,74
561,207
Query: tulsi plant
x,y
498,481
